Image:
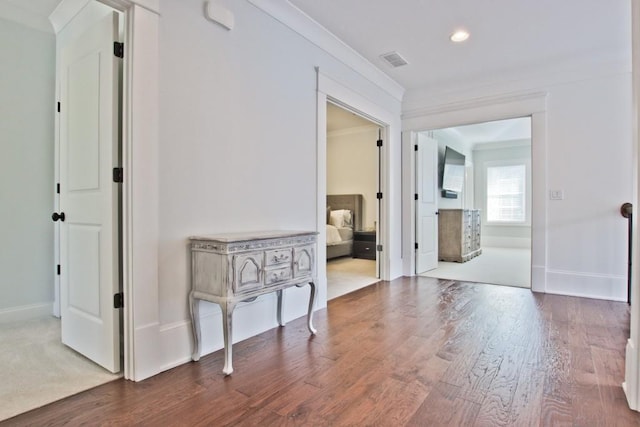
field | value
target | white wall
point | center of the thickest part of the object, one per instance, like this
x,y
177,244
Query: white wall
x,y
484,155
26,170
352,167
587,154
237,151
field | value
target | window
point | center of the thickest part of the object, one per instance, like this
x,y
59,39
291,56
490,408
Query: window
x,y
506,194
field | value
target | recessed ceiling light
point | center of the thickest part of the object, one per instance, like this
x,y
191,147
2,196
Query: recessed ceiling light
x,y
459,36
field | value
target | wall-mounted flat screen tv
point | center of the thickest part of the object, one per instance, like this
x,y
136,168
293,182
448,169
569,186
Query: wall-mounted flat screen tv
x,y
453,171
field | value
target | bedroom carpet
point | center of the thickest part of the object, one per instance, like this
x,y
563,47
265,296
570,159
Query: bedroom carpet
x,y
37,369
347,274
498,266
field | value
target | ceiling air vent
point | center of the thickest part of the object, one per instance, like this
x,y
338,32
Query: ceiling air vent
x,y
394,59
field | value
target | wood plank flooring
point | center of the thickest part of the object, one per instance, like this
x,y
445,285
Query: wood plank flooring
x,y
416,351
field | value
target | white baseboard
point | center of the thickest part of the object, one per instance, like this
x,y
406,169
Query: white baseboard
x,y
538,278
26,312
586,285
249,319
147,358
506,242
630,384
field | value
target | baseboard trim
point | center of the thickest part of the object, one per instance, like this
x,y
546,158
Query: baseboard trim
x,y
26,312
249,319
146,353
506,242
586,285
630,384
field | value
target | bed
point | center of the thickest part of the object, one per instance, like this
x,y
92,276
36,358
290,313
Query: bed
x,y
344,215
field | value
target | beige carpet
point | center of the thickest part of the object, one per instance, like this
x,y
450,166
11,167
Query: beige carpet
x,y
498,266
36,368
346,275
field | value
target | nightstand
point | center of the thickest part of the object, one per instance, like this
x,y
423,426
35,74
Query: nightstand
x,y
364,244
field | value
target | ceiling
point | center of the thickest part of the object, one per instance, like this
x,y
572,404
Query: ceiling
x,y
508,37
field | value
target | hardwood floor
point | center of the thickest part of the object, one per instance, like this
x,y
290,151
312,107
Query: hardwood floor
x,y
415,351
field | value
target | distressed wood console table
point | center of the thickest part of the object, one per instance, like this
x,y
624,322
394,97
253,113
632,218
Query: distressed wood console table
x,y
231,268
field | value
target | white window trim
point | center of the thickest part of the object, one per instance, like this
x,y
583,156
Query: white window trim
x,y
510,162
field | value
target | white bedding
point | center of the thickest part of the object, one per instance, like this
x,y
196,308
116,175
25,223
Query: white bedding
x,y
346,233
333,235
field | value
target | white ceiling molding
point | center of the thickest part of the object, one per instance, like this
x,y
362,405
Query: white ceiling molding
x,y
67,9
305,26
476,111
535,79
22,16
533,98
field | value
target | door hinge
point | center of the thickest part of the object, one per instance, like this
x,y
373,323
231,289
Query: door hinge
x,y
118,300
58,269
416,245
58,107
379,195
118,49
118,175
379,143
379,248
415,147
415,196
58,188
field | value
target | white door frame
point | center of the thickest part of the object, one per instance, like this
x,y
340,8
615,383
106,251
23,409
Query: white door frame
x,y
477,111
140,162
332,90
631,383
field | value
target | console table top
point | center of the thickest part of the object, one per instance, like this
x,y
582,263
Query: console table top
x,y
251,235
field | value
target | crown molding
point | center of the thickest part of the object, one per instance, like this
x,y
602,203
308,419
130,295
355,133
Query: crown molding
x,y
540,78
67,9
311,30
536,101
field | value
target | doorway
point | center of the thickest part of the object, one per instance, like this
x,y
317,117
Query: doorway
x,y
37,367
493,189
353,182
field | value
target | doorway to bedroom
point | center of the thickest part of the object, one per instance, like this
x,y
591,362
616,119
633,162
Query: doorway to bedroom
x,y
353,182
484,222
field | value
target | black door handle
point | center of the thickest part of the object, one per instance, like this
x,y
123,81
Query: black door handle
x,y
57,216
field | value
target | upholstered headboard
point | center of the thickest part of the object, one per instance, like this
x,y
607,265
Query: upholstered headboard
x,y
353,202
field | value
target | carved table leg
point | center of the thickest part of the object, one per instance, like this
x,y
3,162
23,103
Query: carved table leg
x,y
280,307
194,306
312,299
227,320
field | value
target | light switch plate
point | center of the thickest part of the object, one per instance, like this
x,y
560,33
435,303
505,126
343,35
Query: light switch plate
x,y
556,195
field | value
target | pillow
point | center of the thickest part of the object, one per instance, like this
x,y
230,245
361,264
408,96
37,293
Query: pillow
x,y
341,218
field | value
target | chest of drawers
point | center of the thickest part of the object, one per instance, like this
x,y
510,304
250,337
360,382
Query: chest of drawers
x,y
231,268
458,234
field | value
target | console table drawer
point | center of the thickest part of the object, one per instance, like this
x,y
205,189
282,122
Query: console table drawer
x,y
277,275
278,256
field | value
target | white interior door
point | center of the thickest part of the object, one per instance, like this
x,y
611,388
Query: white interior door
x,y
88,196
427,203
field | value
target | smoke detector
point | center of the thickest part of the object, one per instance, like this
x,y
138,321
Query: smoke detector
x,y
394,59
